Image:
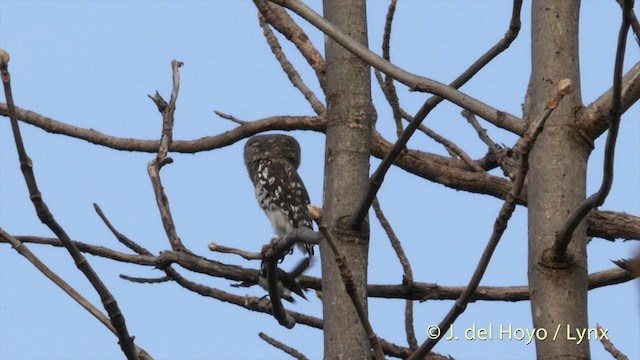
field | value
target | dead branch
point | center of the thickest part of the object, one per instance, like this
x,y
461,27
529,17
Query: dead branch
x,y
558,252
347,279
229,250
418,291
425,165
154,166
23,250
522,149
378,176
407,272
499,118
593,120
281,21
278,345
289,69
608,345
46,217
387,86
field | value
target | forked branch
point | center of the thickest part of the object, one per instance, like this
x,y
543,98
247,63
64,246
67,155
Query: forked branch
x,y
375,182
522,149
26,165
558,253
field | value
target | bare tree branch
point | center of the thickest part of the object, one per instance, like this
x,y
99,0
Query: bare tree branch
x,y
522,149
277,344
418,83
154,166
281,21
181,146
230,117
51,275
558,252
407,272
289,69
418,291
387,85
378,176
635,25
347,279
46,217
228,250
593,119
141,280
608,345
428,166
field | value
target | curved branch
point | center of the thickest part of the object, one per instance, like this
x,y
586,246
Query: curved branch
x,y
419,83
593,119
51,275
281,21
180,146
46,217
375,182
417,291
289,69
436,168
279,345
558,252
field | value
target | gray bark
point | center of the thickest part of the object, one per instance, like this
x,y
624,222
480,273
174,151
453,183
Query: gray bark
x,y
348,144
557,182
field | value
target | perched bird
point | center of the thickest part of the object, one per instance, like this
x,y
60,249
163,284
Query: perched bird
x,y
272,162
287,281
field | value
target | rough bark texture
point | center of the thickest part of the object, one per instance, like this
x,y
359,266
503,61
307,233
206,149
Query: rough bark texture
x,y
557,181
348,144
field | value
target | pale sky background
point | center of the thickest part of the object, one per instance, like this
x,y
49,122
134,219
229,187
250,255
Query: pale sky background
x,y
92,64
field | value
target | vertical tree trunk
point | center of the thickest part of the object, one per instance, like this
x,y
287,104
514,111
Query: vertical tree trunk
x,y
348,144
557,181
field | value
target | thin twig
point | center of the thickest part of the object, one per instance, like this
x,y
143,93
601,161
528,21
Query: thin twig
x,y
419,291
503,156
278,345
448,144
418,83
387,85
284,24
393,102
558,253
23,250
377,178
121,237
153,168
395,242
347,279
289,69
229,250
429,166
522,149
141,280
46,217
608,345
230,117
482,132
407,272
635,25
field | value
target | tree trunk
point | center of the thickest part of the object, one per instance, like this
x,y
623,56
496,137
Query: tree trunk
x,y
557,182
348,143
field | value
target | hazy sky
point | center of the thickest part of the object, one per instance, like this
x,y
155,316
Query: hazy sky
x,y
92,64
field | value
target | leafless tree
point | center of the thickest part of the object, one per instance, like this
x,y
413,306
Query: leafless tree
x,y
544,170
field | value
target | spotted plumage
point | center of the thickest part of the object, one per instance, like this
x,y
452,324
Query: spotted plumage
x,y
272,162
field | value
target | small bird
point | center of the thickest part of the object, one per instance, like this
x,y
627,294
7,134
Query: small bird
x,y
272,162
287,281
